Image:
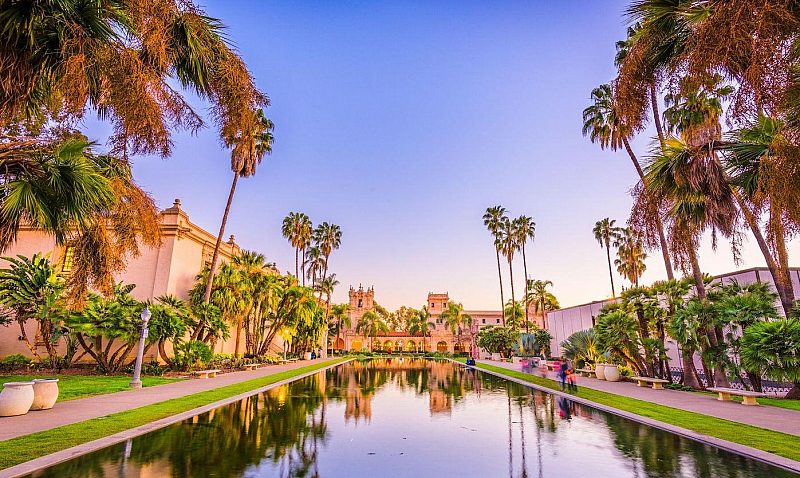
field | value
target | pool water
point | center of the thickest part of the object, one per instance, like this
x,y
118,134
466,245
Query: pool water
x,y
401,417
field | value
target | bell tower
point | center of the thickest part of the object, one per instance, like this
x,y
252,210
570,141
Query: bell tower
x,y
360,301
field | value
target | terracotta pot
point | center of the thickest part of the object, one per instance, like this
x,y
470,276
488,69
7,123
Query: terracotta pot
x,y
599,371
45,393
611,372
16,398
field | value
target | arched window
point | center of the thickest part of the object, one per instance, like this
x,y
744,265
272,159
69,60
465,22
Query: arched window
x,y
356,346
441,346
411,346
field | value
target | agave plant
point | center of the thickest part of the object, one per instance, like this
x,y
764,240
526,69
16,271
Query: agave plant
x,y
582,347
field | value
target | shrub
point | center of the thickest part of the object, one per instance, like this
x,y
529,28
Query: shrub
x,y
13,362
191,354
153,369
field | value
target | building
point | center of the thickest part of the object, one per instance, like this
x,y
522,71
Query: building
x,y
564,322
170,269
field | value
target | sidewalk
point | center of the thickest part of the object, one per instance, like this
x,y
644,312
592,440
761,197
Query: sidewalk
x,y
771,418
74,411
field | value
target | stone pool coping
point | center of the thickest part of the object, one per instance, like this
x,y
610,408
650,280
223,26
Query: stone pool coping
x,y
69,453
749,452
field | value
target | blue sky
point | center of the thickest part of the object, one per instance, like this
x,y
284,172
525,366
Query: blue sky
x,y
402,122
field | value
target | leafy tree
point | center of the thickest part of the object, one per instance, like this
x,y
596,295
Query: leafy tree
x,y
498,339
582,346
370,325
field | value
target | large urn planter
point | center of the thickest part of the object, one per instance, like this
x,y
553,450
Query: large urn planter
x,y
611,372
599,371
307,356
45,393
16,398
496,357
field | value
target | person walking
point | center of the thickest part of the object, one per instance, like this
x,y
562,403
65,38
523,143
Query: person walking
x,y
562,373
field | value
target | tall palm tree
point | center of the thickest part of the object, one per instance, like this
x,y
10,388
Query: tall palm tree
x,y
296,228
314,264
507,241
341,312
513,313
542,298
602,123
248,149
526,230
456,319
326,286
606,232
328,237
492,219
630,255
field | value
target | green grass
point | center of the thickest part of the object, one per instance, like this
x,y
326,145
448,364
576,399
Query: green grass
x,y
25,448
71,387
770,441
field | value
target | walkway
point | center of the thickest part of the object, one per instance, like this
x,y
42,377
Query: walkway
x,y
772,418
74,411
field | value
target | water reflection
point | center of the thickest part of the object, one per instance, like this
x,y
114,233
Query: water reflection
x,y
408,417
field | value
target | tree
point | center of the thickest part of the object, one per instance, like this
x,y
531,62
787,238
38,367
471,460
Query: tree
x,y
582,347
120,59
456,319
603,125
492,220
314,264
30,289
325,288
526,230
605,232
248,148
507,241
772,348
370,326
420,323
672,295
513,314
328,237
340,312
542,299
616,333
630,255
298,230
496,339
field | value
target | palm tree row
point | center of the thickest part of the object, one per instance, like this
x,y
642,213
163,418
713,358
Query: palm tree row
x,y
510,236
698,178
629,244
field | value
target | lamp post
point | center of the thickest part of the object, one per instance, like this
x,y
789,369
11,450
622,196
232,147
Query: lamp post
x,y
137,369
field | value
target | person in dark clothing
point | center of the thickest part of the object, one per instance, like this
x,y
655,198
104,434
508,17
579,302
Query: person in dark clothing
x,y
562,373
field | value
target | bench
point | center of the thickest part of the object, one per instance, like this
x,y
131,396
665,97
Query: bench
x,y
585,372
658,384
252,366
748,398
206,373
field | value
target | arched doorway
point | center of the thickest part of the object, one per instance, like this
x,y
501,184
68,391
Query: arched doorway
x,y
458,348
376,347
441,346
411,346
388,346
338,344
356,346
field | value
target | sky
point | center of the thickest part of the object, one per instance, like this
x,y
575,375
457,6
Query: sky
x,y
402,122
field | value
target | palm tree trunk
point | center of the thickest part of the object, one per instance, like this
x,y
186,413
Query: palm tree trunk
x,y
689,372
513,297
238,335
215,257
662,238
779,234
297,262
303,267
656,116
525,271
502,299
610,274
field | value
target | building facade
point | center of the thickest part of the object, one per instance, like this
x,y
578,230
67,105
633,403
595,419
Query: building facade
x,y
169,269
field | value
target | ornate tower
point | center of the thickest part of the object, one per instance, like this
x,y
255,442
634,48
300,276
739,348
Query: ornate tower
x,y
360,301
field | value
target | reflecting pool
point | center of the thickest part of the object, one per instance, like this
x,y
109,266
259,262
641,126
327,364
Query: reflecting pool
x,y
408,418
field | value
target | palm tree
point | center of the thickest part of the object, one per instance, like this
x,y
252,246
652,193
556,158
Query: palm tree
x,y
492,219
297,229
328,237
370,326
630,255
543,299
341,312
526,230
508,243
602,124
314,264
248,149
456,319
326,287
605,232
125,80
513,313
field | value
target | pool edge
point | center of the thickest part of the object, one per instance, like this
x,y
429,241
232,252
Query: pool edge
x,y
66,454
753,453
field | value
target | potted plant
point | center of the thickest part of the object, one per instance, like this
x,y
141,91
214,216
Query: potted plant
x,y
599,371
611,372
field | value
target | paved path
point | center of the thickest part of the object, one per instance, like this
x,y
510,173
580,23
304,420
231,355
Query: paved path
x,y
772,418
74,411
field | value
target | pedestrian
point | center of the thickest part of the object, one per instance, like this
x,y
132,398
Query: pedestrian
x,y
572,380
562,373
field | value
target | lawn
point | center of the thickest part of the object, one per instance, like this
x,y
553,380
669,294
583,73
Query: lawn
x,y
25,448
71,387
778,443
